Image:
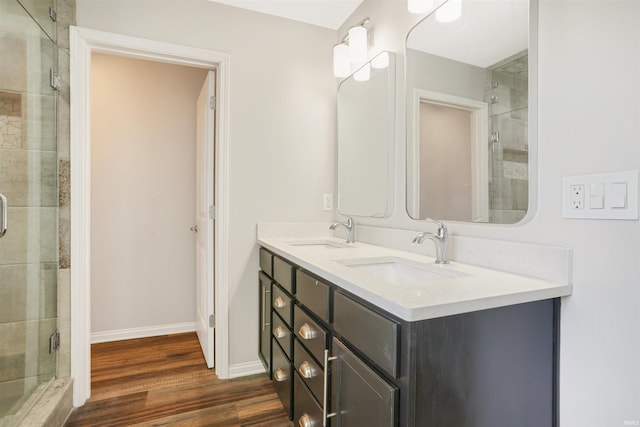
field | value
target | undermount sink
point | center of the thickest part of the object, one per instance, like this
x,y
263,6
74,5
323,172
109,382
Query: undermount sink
x,y
328,244
402,271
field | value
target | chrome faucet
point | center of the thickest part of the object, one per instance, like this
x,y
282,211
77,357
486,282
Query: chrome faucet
x,y
349,226
440,239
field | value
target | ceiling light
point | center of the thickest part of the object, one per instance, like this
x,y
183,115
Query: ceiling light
x,y
450,11
420,6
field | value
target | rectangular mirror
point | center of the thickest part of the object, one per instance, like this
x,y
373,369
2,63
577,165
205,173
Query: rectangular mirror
x,y
467,92
365,139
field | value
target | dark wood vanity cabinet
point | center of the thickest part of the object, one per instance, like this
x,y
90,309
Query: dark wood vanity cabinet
x,y
493,368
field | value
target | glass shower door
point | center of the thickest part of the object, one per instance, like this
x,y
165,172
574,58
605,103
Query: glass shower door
x,y
508,140
28,181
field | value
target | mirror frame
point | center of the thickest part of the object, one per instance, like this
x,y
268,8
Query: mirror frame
x,y
532,131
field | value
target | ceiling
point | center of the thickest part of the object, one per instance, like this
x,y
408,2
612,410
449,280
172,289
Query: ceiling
x,y
324,13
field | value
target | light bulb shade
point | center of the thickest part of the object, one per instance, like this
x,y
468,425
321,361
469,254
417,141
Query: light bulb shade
x,y
381,61
363,74
358,44
450,11
419,6
341,63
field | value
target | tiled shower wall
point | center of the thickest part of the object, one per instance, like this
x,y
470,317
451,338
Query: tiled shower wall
x,y
509,186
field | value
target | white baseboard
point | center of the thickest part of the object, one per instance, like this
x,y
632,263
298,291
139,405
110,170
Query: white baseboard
x,y
144,332
244,369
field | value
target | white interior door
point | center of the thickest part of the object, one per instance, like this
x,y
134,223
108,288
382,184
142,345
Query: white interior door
x,y
205,213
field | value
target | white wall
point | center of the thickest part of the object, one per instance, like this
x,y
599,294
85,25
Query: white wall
x,y
589,122
282,122
143,193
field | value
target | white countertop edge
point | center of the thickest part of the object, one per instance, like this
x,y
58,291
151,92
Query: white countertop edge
x,y
528,289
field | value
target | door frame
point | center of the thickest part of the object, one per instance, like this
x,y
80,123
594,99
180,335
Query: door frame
x,y
479,149
83,42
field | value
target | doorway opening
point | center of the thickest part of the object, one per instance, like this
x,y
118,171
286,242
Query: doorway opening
x,y
84,43
152,126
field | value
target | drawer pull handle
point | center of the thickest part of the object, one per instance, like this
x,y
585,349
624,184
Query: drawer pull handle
x,y
307,332
307,370
279,303
280,375
305,421
279,332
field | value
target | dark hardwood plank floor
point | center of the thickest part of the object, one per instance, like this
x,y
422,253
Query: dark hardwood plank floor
x,y
164,381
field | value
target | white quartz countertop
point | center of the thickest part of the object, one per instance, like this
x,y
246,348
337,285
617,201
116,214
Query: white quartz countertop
x,y
463,288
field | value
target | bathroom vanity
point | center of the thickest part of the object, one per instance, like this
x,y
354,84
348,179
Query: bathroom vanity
x,y
355,335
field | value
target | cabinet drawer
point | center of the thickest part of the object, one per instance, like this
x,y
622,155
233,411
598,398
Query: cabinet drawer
x,y
310,333
306,411
282,334
283,274
282,304
313,294
266,262
373,334
282,380
309,371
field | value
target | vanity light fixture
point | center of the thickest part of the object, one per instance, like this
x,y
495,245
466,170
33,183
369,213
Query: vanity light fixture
x,y
419,6
450,11
352,50
381,61
341,62
363,74
358,44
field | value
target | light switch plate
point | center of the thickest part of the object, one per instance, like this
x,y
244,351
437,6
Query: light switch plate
x,y
605,193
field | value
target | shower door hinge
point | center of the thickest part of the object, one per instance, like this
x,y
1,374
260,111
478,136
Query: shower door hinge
x,y
54,342
54,80
212,212
212,103
52,14
212,321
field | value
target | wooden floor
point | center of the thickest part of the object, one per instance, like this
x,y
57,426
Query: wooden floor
x,y
163,381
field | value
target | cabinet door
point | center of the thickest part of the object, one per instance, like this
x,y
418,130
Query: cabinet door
x,y
359,396
265,321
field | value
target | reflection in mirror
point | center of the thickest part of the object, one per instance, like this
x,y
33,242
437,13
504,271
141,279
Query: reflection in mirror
x,y
365,138
467,114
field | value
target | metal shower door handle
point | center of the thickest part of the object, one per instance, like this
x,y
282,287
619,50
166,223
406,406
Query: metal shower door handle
x,y
3,215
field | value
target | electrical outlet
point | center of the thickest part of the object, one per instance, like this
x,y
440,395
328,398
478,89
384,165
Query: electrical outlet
x,y
576,194
327,202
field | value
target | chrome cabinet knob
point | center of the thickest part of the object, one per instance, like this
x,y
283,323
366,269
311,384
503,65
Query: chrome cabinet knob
x,y
305,421
307,332
279,332
279,302
307,370
280,375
